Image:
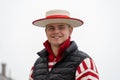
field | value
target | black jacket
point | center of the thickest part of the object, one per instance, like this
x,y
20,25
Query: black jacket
x,y
64,69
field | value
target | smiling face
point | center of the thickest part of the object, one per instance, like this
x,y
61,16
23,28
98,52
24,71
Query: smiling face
x,y
57,33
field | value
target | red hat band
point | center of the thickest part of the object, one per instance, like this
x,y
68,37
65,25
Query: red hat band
x,y
58,16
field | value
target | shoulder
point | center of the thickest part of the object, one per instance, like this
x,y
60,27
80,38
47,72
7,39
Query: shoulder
x,y
83,54
76,52
86,69
80,55
88,63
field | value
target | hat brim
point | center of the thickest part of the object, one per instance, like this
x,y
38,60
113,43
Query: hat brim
x,y
73,22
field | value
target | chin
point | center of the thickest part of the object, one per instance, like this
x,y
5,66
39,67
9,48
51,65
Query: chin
x,y
57,43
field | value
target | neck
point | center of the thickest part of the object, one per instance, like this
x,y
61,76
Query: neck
x,y
55,49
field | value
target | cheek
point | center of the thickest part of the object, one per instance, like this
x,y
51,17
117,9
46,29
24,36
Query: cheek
x,y
47,35
67,34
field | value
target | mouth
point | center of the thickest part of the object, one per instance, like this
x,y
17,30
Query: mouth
x,y
56,37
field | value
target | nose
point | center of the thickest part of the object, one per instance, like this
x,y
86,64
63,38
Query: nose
x,y
56,30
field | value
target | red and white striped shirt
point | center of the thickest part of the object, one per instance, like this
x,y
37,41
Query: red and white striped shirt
x,y
85,71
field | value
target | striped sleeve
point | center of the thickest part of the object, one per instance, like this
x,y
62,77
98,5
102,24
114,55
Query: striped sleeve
x,y
87,70
31,74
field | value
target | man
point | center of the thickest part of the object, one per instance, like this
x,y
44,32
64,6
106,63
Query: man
x,y
61,59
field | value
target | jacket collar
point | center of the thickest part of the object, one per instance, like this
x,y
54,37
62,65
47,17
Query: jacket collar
x,y
62,48
72,47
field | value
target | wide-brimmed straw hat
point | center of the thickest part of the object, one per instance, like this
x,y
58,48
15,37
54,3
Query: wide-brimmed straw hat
x,y
58,16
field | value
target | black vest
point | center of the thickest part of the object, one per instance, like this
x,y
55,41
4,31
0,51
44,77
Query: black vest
x,y
64,69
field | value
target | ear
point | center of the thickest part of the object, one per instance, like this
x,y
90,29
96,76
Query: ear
x,y
45,30
71,30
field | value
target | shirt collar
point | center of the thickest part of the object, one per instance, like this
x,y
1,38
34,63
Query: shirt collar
x,y
62,48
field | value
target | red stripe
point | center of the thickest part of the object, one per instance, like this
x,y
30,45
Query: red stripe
x,y
31,75
84,65
89,79
50,66
79,70
32,68
91,63
87,74
96,69
58,16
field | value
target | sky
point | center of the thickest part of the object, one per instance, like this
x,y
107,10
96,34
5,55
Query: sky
x,y
99,36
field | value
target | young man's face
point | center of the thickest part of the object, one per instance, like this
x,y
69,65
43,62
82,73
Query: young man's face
x,y
57,33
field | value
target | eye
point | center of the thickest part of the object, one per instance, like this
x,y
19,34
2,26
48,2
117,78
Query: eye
x,y
50,28
61,27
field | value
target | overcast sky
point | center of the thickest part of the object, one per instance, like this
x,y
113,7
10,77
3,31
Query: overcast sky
x,y
99,36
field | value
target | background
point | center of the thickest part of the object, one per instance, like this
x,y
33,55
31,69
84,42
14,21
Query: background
x,y
99,36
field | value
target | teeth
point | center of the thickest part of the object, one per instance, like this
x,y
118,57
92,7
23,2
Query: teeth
x,y
56,36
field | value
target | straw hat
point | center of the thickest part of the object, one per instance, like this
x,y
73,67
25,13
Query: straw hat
x,y
57,16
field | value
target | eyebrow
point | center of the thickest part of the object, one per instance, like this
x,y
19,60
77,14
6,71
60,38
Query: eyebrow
x,y
49,26
61,25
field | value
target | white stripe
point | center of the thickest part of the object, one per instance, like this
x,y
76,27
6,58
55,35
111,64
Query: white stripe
x,y
31,72
81,67
77,73
51,63
50,69
94,66
30,78
86,72
89,77
87,61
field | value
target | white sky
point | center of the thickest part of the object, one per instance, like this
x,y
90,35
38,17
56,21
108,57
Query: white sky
x,y
99,36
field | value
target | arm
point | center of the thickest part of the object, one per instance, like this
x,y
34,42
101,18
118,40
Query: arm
x,y
31,74
87,70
